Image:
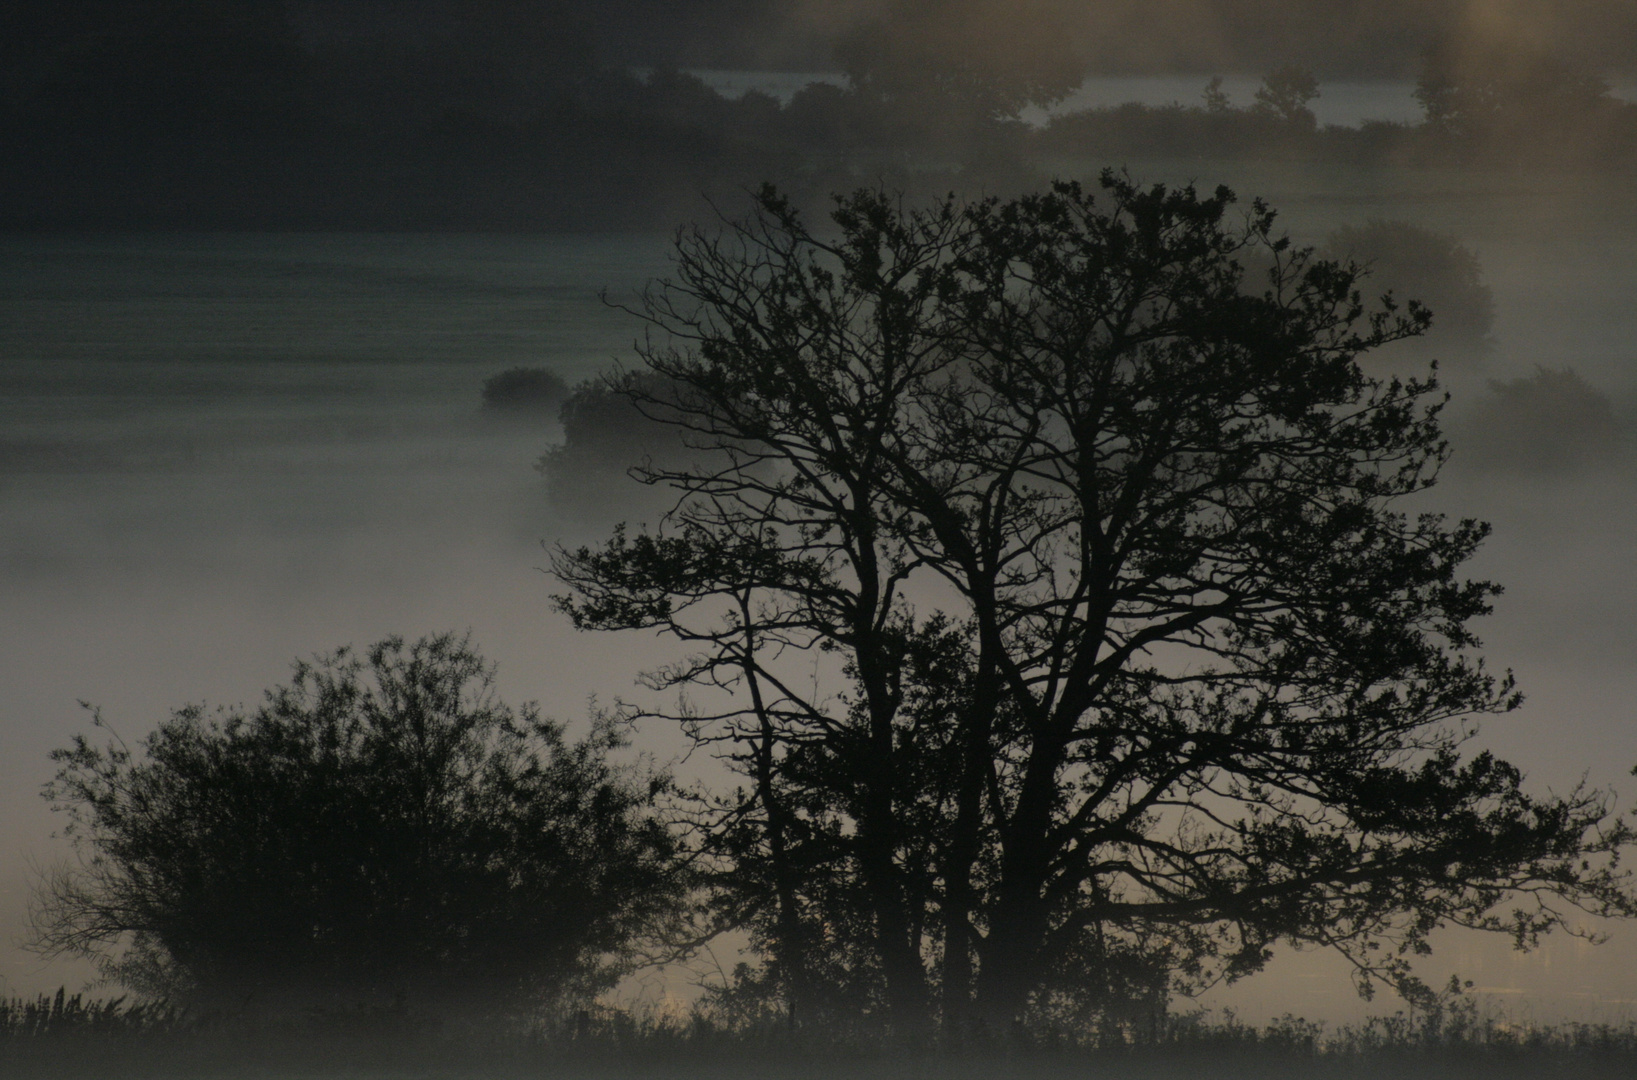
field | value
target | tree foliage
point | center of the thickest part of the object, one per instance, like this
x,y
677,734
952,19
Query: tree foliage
x,y
1487,101
604,436
382,826
1047,589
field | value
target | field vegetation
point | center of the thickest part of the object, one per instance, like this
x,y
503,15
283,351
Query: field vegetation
x,y
70,1035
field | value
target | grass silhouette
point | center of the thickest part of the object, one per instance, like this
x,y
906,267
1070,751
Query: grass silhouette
x,y
67,1036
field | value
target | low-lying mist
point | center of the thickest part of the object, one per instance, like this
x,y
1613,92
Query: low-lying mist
x,y
220,453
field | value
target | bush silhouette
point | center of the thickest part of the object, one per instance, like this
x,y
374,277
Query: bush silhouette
x,y
381,828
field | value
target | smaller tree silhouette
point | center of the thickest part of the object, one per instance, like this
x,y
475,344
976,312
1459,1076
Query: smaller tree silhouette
x,y
1285,93
1216,99
1486,99
381,828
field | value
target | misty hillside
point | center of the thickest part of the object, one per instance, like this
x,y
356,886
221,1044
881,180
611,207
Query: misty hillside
x,y
430,114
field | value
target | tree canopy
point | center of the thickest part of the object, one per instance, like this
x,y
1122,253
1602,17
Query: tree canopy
x,y
1044,573
381,827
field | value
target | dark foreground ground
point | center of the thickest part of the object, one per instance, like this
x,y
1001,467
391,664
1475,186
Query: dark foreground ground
x,y
546,1062
68,1040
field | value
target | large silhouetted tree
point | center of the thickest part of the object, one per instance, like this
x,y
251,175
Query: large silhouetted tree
x,y
1043,577
381,827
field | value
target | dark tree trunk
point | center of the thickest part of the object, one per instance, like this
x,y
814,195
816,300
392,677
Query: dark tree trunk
x,y
960,899
791,950
1019,920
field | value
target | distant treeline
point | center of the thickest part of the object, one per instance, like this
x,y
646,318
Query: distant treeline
x,y
1479,110
261,114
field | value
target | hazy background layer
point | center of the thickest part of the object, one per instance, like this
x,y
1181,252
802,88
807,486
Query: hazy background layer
x,y
219,452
